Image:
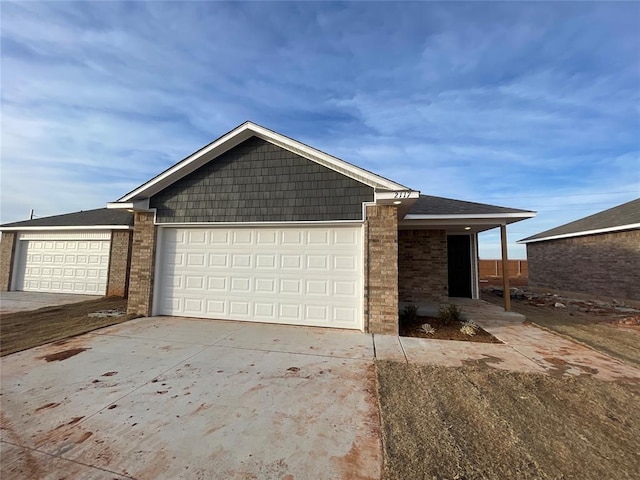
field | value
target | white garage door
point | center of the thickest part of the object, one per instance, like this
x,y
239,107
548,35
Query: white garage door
x,y
62,265
302,276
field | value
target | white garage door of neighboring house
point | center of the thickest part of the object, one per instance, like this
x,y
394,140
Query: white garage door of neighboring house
x,y
303,276
63,263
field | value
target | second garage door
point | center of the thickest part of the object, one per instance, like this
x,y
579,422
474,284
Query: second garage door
x,y
302,276
63,263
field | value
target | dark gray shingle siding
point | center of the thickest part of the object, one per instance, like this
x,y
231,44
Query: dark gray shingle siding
x,y
261,182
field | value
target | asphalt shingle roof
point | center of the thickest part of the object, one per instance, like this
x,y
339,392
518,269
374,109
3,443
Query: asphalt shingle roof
x,y
625,214
85,218
430,205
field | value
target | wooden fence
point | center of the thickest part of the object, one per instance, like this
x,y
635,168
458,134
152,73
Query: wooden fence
x,y
493,268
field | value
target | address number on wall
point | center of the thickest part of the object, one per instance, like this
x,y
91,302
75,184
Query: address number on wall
x,y
401,194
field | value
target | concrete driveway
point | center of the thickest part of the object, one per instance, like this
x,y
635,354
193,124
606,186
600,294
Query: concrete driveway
x,y
185,398
11,302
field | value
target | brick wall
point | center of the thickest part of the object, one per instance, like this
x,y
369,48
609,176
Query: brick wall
x,y
143,255
381,281
119,263
602,265
422,265
7,252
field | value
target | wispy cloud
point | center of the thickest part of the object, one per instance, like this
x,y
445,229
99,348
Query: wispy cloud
x,y
520,104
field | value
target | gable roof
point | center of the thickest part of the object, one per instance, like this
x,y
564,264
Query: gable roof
x,y
99,218
622,217
237,136
428,205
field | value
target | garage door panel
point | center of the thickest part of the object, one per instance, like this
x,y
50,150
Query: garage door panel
x,y
307,276
70,266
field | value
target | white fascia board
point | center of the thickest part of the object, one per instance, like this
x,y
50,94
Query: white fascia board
x,y
242,133
329,161
319,223
631,226
83,227
136,205
478,216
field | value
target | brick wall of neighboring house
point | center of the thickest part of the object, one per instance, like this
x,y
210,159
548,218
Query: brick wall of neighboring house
x,y
119,263
143,255
7,252
381,280
422,266
602,265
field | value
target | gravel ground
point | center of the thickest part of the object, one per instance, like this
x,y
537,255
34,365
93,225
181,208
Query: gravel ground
x,y
477,423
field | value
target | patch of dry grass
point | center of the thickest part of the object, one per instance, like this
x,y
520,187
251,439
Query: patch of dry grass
x,y
23,330
473,423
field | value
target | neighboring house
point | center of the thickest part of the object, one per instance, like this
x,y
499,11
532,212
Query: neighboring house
x,y
598,254
85,252
257,226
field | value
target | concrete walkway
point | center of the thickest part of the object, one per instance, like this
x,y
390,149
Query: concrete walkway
x,y
11,302
525,348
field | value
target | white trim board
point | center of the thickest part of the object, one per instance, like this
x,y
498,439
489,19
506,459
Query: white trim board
x,y
237,136
497,216
631,226
68,235
67,228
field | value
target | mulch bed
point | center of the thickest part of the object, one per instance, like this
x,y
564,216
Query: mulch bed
x,y
443,332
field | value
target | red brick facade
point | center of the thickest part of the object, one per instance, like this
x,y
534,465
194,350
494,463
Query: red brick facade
x,y
422,266
602,265
7,252
119,263
142,271
381,279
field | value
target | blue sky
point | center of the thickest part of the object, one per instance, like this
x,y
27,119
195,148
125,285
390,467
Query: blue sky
x,y
528,105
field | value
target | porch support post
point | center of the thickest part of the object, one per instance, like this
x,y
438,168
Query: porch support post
x,y
506,295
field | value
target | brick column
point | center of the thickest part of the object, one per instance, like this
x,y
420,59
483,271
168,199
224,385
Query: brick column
x,y
381,284
119,263
143,256
7,252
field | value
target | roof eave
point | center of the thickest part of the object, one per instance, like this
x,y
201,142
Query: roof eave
x,y
511,217
631,226
237,136
65,227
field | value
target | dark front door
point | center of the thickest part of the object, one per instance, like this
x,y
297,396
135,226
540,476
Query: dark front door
x,y
459,263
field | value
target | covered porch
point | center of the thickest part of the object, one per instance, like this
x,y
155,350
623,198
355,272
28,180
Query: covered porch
x,y
438,249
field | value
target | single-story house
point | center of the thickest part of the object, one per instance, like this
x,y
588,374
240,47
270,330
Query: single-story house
x,y
84,252
258,226
597,255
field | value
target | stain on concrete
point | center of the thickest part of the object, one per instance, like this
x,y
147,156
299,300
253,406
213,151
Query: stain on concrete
x,y
83,437
63,355
47,405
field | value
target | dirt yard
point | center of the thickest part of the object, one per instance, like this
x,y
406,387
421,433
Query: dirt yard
x,y
598,325
23,330
480,423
